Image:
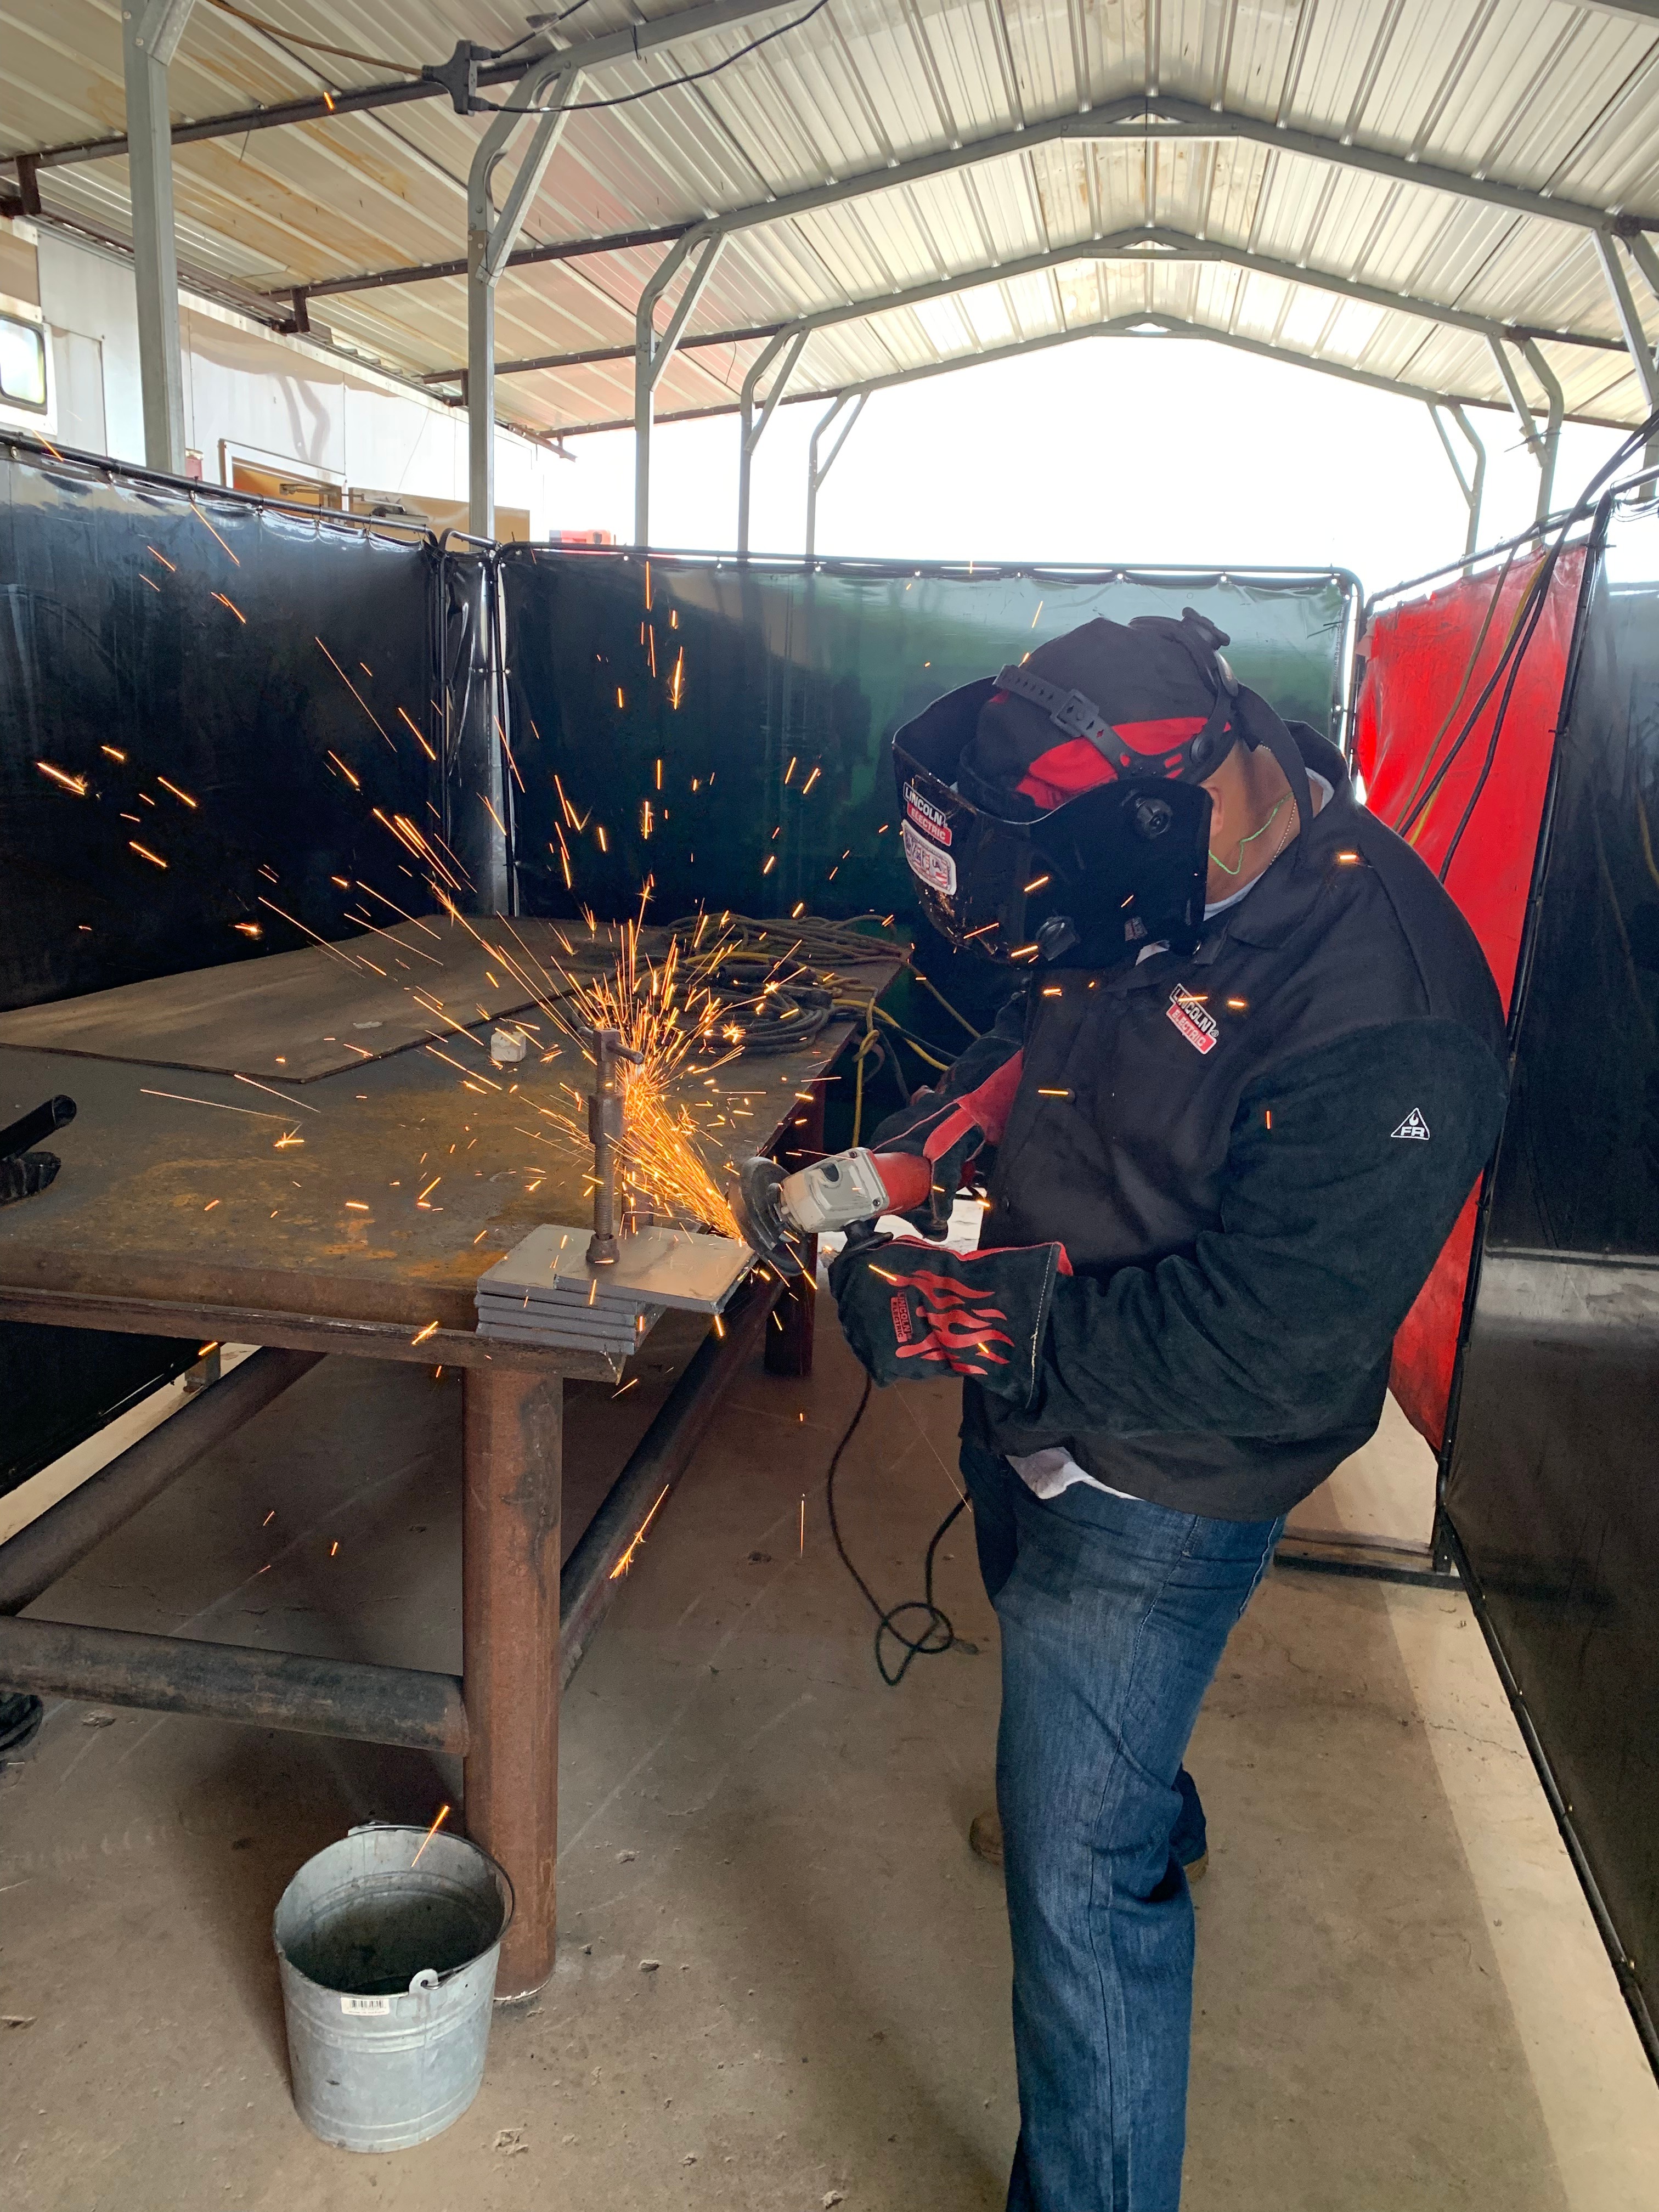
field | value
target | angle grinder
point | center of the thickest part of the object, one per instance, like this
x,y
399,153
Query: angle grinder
x,y
850,1191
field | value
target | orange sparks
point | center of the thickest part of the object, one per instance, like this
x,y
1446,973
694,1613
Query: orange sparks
x,y
810,780
599,833
206,525
334,1547
208,1207
357,1205
249,929
163,558
627,1558
443,1813
350,686
155,859
174,789
77,784
403,713
493,817
676,683
232,604
114,753
345,771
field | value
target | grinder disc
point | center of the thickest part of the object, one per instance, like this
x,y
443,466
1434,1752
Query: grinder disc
x,y
759,1210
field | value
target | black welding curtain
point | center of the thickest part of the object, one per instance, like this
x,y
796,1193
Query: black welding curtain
x,y
721,728
154,643
151,638
1552,1478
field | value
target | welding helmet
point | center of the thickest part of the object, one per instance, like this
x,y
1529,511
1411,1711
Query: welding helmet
x,y
1054,811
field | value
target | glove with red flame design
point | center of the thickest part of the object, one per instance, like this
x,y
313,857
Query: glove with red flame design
x,y
912,1311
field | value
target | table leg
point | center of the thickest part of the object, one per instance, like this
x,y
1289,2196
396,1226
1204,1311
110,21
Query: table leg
x,y
789,1331
512,1464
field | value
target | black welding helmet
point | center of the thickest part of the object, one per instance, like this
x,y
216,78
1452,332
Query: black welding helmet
x,y
1054,813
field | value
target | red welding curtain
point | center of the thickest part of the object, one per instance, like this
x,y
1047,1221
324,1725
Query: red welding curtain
x,y
1427,661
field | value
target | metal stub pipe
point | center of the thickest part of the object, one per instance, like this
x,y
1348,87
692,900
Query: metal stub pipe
x,y
604,1127
230,1683
37,1555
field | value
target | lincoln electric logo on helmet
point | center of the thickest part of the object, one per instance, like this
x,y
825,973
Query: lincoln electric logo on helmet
x,y
928,818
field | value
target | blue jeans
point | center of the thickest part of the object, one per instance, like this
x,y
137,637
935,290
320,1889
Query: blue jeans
x,y
1113,1614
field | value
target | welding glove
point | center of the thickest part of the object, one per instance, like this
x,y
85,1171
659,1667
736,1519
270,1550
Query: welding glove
x,y
912,1312
950,1133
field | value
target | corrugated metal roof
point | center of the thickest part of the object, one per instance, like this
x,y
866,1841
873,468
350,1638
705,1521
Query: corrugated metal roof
x,y
1228,124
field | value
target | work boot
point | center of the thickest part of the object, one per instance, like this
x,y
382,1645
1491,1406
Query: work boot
x,y
1189,1842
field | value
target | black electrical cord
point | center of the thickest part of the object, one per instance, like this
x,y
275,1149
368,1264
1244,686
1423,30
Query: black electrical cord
x,y
669,84
937,1634
1507,669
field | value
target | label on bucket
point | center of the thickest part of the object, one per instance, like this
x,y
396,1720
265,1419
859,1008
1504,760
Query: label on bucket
x,y
370,2007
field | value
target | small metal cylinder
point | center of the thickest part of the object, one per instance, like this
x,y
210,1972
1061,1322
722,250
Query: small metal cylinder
x,y
604,1127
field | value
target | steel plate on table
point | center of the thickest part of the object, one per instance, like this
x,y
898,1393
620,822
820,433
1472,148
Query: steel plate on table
x,y
296,1016
653,1267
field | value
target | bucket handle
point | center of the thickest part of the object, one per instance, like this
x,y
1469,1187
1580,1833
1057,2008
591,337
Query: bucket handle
x,y
426,1980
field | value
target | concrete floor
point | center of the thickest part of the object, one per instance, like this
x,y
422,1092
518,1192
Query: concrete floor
x,y
1401,2002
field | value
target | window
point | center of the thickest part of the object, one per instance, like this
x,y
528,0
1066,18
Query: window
x,y
22,363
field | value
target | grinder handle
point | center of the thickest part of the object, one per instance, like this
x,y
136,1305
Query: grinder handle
x,y
907,1177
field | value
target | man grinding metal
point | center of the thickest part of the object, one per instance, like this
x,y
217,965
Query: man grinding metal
x,y
1254,1069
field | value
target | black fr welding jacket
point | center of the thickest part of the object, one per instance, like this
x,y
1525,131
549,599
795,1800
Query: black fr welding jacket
x,y
1253,1156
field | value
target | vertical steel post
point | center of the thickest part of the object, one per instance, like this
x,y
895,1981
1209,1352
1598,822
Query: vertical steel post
x,y
1471,486
1541,445
149,39
1630,324
654,349
490,238
815,474
512,1445
750,432
1550,446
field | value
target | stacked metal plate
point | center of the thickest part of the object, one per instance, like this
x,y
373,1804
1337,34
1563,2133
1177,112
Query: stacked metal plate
x,y
544,1291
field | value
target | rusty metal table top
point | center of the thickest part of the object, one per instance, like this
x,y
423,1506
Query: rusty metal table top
x,y
408,1182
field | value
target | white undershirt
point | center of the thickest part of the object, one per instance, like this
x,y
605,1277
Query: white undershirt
x,y
1046,1473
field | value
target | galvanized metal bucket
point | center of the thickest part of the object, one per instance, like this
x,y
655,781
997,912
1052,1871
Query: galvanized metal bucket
x,y
388,1971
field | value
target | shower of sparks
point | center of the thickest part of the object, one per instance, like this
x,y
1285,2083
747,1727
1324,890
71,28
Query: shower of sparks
x,y
627,1558
443,1815
77,784
667,1011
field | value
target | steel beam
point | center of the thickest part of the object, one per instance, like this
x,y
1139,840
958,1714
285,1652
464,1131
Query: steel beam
x,y
546,89
231,1682
1151,248
323,108
1636,337
150,30
37,1555
816,472
1540,444
751,431
1472,484
1550,446
695,253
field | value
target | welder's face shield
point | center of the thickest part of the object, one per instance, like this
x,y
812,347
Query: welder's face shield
x,y
1083,885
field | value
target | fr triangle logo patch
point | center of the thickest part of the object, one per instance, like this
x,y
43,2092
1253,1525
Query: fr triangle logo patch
x,y
1414,1126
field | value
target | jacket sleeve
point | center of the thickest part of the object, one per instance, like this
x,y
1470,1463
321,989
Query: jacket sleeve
x,y
1345,1172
